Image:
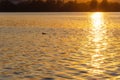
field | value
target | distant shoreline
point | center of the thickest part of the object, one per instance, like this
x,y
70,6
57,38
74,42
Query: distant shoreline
x,y
59,6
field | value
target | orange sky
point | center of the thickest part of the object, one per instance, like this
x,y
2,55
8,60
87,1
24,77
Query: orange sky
x,y
90,0
72,0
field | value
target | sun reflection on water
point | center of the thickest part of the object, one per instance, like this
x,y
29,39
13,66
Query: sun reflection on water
x,y
97,23
98,38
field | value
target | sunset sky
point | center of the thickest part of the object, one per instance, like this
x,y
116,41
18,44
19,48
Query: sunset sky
x,y
71,0
97,0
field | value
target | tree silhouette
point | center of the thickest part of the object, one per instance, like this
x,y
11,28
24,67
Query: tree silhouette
x,y
114,7
93,5
50,5
70,6
6,5
104,5
58,5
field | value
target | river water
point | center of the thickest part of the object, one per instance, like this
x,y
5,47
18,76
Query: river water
x,y
60,46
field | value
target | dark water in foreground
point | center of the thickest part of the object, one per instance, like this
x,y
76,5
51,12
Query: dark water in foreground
x,y
60,46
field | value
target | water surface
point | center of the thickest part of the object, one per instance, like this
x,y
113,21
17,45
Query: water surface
x,y
59,46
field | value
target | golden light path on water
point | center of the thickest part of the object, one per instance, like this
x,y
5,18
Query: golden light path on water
x,y
98,38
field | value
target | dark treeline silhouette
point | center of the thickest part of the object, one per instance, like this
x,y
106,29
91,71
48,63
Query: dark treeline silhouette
x,y
58,6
